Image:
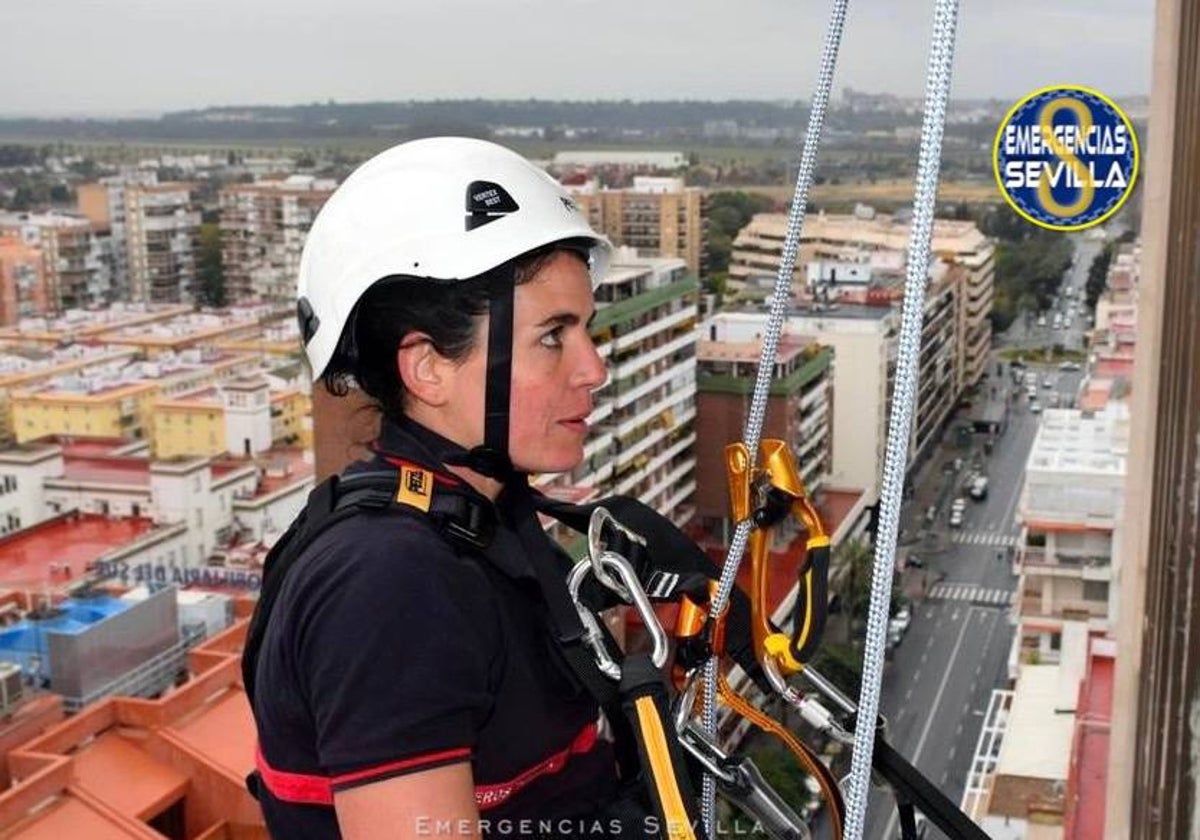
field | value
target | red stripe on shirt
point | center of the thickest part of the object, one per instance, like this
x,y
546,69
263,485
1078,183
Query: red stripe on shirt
x,y
310,789
489,796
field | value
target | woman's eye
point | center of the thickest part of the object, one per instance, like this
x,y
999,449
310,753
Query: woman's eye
x,y
552,338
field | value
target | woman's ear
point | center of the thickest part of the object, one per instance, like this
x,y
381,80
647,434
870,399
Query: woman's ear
x,y
422,369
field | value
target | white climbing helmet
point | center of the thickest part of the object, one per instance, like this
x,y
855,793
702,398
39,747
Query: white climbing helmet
x,y
447,208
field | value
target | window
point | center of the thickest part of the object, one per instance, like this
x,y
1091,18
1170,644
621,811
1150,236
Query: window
x,y
1095,590
1056,641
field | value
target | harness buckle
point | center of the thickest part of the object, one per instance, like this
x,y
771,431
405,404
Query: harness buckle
x,y
612,562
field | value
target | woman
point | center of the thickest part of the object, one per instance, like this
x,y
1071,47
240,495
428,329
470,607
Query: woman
x,y
407,687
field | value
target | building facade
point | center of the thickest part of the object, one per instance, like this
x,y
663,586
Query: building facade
x,y
656,216
263,228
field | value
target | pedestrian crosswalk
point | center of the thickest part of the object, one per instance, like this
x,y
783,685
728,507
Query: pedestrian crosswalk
x,y
996,540
971,592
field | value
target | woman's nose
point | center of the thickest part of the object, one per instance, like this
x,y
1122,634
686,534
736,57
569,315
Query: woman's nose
x,y
592,372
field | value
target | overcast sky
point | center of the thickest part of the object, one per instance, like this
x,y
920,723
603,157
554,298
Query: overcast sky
x,y
122,57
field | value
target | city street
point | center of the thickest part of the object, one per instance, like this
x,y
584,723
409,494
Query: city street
x,y
954,654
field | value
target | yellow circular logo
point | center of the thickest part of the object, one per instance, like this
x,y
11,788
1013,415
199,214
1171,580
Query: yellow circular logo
x,y
1066,157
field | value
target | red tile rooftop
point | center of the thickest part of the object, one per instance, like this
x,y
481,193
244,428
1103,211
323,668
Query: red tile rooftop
x,y
68,543
128,470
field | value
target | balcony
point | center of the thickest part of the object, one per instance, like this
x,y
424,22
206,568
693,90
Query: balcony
x,y
1095,613
1036,561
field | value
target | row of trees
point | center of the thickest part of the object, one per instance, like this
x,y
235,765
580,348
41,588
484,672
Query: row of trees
x,y
1030,263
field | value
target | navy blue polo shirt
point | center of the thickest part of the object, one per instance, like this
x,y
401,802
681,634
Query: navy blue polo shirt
x,y
392,651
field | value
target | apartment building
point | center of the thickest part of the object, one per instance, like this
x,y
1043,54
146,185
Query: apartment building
x,y
154,231
77,265
1040,766
242,417
799,411
863,342
189,752
842,254
1070,509
162,234
263,228
23,291
656,216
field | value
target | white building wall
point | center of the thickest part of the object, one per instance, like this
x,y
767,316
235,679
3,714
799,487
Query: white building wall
x,y
861,349
22,488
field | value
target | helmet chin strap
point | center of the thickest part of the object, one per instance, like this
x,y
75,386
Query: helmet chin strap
x,y
491,458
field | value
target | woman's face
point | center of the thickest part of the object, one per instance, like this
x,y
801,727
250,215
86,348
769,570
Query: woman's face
x,y
555,368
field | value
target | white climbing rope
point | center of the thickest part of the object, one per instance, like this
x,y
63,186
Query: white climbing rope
x,y
762,383
937,92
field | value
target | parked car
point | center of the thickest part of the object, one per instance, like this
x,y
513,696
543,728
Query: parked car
x,y
956,518
1047,381
1035,407
914,561
1069,366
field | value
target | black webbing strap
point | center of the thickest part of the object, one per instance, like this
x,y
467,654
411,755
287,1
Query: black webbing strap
x,y
564,621
912,788
645,701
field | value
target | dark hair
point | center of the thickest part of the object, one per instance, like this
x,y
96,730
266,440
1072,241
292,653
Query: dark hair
x,y
448,312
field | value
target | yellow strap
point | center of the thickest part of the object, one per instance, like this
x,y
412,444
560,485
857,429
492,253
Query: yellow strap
x,y
679,825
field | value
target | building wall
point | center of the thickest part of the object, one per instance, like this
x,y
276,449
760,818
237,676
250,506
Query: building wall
x,y
162,230
291,419
188,430
263,228
22,474
1154,784
862,358
660,223
120,412
803,417
22,280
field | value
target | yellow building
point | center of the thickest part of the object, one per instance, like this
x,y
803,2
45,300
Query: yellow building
x,y
191,425
119,411
291,419
26,378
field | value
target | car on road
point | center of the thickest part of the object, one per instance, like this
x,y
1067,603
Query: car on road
x,y
1041,320
1035,407
956,518
1069,366
914,561
979,488
1047,381
898,626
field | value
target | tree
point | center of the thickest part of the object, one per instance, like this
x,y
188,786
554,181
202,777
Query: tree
x,y
729,212
854,562
1098,275
211,266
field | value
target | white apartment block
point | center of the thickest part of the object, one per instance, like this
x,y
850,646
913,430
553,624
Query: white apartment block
x,y
865,348
162,227
1070,510
263,228
863,248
